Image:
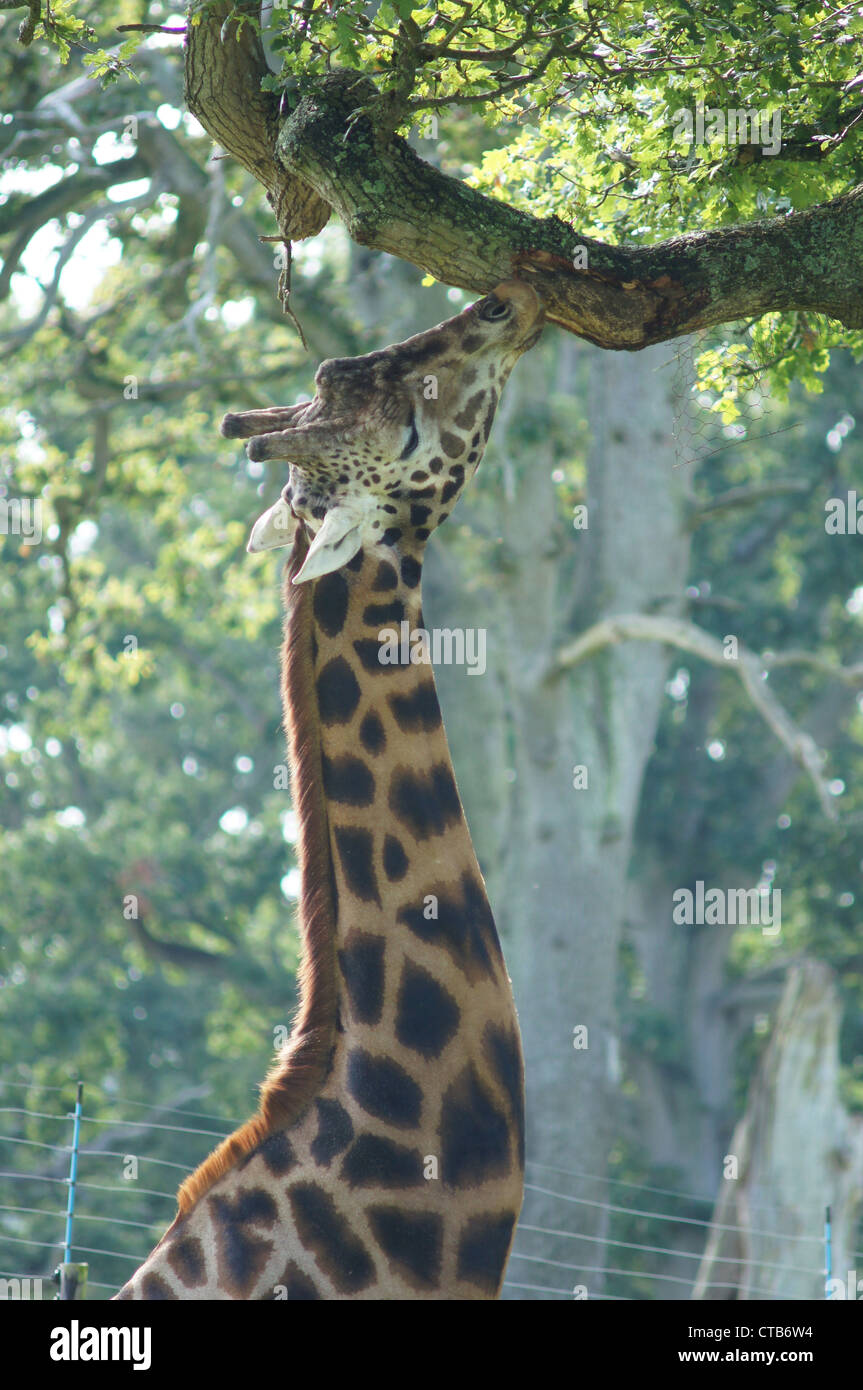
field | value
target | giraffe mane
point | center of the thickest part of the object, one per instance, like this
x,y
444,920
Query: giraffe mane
x,y
295,1077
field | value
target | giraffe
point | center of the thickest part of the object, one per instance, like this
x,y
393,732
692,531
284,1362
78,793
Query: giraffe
x,y
386,1160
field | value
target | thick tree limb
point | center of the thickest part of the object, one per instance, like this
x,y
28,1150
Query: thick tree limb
x,y
629,297
336,150
223,90
676,632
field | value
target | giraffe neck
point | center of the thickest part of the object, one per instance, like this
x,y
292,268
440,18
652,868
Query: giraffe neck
x,y
387,1158
405,884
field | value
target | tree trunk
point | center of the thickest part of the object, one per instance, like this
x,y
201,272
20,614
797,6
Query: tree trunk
x,y
797,1152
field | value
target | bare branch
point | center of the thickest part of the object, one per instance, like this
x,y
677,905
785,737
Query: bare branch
x,y
847,675
737,497
750,668
25,214
176,953
151,28
21,335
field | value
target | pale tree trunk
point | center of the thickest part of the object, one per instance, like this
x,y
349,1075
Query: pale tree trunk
x,y
796,1152
683,1069
558,867
682,1063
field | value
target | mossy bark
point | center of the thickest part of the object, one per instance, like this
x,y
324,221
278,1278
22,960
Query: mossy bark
x,y
334,151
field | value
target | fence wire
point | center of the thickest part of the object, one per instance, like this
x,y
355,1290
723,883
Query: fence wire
x,y
126,1208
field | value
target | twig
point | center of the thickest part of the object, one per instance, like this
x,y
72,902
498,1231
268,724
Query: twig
x,y
151,28
737,497
285,288
847,675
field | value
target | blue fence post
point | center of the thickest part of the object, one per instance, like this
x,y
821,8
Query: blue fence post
x,y
73,1176
72,1278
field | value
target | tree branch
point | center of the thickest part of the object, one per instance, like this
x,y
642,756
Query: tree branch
x,y
24,215
846,675
737,497
336,150
176,953
629,297
676,632
27,27
151,28
223,89
21,335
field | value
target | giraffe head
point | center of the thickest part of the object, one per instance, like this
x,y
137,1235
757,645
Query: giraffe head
x,y
380,455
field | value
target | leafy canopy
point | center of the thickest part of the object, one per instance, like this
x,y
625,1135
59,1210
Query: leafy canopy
x,y
582,107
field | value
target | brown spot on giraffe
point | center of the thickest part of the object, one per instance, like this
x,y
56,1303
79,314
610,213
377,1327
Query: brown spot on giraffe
x,y
386,1158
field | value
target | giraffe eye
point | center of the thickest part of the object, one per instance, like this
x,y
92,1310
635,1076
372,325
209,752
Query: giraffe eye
x,y
495,309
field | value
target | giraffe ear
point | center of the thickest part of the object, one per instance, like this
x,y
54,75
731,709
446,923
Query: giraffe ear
x,y
337,541
276,527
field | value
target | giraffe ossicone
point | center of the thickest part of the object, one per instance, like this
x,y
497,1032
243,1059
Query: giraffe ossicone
x,y
386,1159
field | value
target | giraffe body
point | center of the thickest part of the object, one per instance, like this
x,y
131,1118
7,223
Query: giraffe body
x,y
386,1161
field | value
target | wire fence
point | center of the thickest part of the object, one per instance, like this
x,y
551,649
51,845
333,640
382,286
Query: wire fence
x,y
646,1243
118,1203
642,1251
